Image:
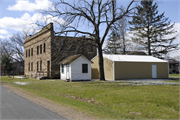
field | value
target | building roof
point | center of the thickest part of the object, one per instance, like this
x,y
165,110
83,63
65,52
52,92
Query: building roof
x,y
71,59
132,58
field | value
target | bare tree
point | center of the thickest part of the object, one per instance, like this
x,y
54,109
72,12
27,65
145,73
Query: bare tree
x,y
122,28
6,47
119,42
14,46
98,15
17,46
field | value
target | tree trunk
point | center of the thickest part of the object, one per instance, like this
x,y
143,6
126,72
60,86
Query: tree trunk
x,y
101,63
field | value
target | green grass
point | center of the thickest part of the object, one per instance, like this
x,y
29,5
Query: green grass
x,y
174,75
108,100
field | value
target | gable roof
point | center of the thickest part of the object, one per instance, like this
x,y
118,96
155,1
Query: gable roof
x,y
132,58
71,59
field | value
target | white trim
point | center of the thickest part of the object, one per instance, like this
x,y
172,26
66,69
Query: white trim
x,y
113,70
132,58
94,57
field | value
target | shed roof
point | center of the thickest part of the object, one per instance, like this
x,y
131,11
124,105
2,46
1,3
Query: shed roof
x,y
132,58
71,59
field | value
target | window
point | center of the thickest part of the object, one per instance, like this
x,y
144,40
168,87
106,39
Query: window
x,y
44,47
90,48
37,65
31,66
84,68
40,65
26,53
31,51
41,49
62,69
62,46
37,50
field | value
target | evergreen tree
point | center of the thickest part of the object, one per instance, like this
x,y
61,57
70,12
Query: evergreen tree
x,y
113,44
6,63
152,31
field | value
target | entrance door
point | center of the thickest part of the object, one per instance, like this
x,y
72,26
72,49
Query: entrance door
x,y
67,71
48,68
154,71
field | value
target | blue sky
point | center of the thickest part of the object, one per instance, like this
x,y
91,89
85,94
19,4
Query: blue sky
x,y
16,15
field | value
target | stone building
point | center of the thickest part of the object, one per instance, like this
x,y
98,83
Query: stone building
x,y
44,51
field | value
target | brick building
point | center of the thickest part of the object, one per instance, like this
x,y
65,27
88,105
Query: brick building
x,y
44,51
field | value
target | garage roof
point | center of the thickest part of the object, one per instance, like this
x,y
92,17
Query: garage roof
x,y
132,58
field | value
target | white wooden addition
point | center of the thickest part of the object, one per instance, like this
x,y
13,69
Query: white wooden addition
x,y
74,70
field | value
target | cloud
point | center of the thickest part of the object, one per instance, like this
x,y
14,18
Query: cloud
x,y
2,37
15,23
3,31
27,21
26,5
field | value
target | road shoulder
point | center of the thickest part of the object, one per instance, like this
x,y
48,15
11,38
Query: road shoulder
x,y
62,110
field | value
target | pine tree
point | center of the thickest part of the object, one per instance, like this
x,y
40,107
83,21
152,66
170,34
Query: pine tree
x,y
6,63
113,44
151,30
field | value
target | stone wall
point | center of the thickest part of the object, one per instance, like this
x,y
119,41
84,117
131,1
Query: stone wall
x,y
31,60
57,48
63,47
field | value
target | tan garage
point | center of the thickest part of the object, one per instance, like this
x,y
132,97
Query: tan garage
x,y
118,67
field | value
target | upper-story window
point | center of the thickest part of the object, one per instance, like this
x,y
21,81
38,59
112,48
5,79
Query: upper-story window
x,y
37,50
44,47
26,53
90,48
62,46
31,51
41,49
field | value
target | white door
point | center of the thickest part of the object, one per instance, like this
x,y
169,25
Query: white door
x,y
67,71
154,71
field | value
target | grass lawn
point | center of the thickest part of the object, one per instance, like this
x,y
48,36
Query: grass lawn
x,y
174,75
108,100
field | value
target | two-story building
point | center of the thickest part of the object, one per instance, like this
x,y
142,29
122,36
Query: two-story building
x,y
44,51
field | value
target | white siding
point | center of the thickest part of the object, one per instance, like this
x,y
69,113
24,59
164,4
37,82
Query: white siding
x,y
70,71
63,75
76,69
